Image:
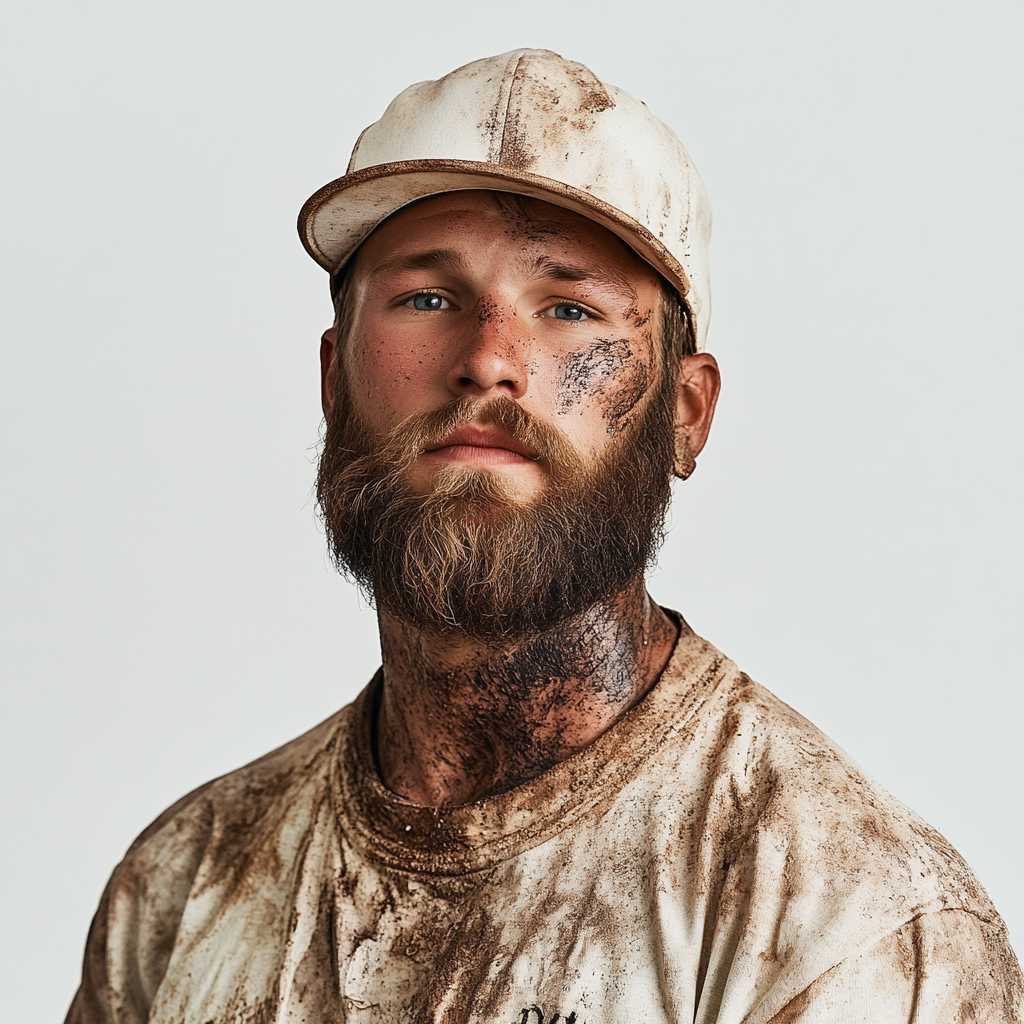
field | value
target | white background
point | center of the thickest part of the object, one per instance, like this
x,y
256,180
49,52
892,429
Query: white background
x,y
852,536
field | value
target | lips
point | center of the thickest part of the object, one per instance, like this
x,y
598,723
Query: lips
x,y
483,442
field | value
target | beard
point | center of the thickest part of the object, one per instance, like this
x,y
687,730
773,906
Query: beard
x,y
468,557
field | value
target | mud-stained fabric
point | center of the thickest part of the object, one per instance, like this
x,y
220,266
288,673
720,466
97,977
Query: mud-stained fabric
x,y
711,858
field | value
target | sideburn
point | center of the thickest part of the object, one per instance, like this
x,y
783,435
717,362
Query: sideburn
x,y
469,558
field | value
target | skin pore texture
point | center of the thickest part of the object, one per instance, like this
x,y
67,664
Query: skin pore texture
x,y
471,295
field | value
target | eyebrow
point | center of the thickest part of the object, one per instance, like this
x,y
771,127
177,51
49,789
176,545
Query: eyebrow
x,y
432,259
546,268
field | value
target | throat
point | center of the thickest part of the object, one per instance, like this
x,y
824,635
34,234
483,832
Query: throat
x,y
460,719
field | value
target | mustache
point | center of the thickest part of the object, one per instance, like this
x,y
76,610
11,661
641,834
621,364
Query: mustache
x,y
403,444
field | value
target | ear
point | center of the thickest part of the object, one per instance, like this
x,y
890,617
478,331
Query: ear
x,y
696,397
328,345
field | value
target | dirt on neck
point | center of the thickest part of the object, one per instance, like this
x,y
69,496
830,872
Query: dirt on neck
x,y
461,719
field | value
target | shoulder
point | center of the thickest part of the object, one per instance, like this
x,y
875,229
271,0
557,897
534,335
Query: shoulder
x,y
790,789
807,862
217,822
228,809
246,823
946,966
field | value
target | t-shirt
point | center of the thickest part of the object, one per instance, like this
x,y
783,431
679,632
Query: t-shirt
x,y
712,857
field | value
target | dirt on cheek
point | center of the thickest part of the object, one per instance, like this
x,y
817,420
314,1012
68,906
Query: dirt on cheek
x,y
628,396
605,374
589,374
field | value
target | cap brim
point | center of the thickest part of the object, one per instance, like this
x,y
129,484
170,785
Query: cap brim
x,y
338,218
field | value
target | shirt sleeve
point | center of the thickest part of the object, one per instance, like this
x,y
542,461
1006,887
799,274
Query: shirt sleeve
x,y
90,1005
943,967
132,936
113,986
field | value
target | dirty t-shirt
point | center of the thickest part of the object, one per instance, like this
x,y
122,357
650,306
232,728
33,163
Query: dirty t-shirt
x,y
712,857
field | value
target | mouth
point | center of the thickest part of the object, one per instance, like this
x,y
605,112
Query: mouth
x,y
483,445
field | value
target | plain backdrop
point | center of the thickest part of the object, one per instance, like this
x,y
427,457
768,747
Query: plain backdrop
x,y
851,537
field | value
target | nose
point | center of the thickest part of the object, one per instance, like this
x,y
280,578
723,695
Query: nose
x,y
491,357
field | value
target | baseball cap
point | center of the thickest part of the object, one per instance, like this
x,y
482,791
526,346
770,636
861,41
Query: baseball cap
x,y
532,123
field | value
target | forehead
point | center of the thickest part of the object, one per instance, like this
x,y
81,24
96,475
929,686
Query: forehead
x,y
502,223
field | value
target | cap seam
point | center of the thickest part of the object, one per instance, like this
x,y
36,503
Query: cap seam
x,y
355,149
508,107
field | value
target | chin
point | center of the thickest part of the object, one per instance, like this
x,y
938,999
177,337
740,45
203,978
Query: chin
x,y
475,486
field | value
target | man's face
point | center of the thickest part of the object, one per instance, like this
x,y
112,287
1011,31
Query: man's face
x,y
468,295
499,417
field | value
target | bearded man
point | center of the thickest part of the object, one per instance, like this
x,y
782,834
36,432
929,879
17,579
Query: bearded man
x,y
554,804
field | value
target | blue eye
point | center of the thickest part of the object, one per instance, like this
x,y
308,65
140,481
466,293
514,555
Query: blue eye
x,y
428,301
567,311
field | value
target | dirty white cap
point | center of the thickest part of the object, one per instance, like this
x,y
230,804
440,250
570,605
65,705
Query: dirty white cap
x,y
532,123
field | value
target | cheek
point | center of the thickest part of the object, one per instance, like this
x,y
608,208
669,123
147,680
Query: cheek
x,y
389,380
633,385
608,379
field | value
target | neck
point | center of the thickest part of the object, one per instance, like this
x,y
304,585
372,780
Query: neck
x,y
461,719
